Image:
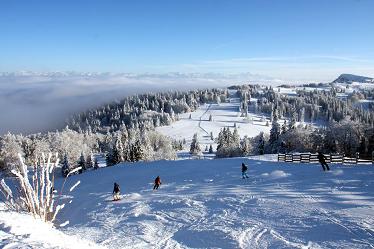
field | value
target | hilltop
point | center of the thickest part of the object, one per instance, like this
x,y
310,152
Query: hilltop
x,y
350,78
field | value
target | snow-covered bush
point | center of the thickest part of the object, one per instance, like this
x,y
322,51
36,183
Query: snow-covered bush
x,y
297,139
228,143
162,146
10,147
35,197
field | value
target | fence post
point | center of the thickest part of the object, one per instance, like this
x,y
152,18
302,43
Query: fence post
x,y
357,157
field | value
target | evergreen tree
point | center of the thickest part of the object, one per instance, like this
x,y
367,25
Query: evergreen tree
x,y
90,161
274,135
210,149
292,123
138,152
302,115
245,146
82,163
284,127
65,166
261,144
235,138
195,146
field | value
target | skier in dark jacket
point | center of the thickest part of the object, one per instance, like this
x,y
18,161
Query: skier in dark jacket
x,y
157,183
244,171
116,192
322,161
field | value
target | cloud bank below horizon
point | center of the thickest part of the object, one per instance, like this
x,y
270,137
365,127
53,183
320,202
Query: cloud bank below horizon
x,y
38,102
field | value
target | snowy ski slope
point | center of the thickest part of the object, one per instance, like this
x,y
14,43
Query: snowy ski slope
x,y
206,204
224,115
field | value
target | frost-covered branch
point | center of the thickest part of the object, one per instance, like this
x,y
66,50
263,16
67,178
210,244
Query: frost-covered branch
x,y
36,197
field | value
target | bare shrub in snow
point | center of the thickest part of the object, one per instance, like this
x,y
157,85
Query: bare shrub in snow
x,y
35,197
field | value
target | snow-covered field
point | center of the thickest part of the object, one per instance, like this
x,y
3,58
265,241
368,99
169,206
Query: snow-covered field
x,y
206,204
223,115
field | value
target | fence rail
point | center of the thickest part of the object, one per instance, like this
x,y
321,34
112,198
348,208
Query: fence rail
x,y
330,158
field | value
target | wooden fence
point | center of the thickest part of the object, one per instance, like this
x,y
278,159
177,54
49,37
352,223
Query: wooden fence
x,y
330,158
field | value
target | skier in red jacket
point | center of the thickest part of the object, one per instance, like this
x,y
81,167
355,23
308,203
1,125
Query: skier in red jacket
x,y
157,183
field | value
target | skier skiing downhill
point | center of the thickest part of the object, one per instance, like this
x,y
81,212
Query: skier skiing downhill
x,y
116,192
322,161
157,183
244,171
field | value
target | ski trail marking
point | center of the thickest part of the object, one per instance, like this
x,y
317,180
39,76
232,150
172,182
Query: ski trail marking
x,y
294,244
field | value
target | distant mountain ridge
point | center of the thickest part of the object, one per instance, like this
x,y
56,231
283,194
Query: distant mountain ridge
x,y
350,78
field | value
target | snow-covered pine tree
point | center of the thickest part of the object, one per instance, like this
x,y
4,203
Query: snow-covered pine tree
x,y
246,146
274,134
195,146
292,123
137,152
284,127
302,115
90,161
65,166
210,149
147,149
115,153
82,163
261,144
235,138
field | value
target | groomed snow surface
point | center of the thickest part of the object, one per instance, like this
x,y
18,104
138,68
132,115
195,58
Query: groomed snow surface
x,y
223,115
206,204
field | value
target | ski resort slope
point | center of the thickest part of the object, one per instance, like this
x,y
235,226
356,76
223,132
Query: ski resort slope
x,y
223,115
206,204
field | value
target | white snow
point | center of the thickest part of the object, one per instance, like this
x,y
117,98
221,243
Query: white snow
x,y
224,115
74,186
23,231
206,204
276,174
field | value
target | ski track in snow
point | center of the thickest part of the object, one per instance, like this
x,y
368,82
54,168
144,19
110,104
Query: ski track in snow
x,y
205,204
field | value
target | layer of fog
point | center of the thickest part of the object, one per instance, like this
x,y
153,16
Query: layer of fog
x,y
39,102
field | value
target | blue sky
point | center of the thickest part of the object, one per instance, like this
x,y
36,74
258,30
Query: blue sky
x,y
289,39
